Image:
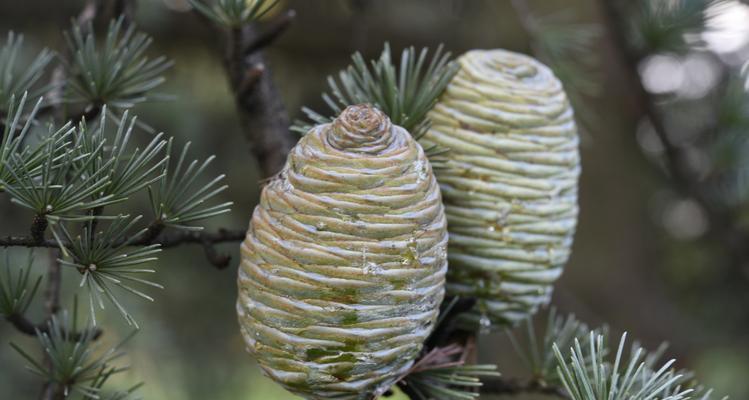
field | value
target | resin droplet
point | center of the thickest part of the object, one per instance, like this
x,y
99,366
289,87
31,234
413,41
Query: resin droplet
x,y
421,171
485,324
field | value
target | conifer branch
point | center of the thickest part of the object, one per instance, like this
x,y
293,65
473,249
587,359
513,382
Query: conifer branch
x,y
262,111
264,116
723,226
51,297
171,239
125,8
273,31
27,327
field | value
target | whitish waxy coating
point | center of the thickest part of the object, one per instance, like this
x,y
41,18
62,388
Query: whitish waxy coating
x,y
510,186
344,264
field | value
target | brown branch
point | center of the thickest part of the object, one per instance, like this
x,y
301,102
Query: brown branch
x,y
52,390
208,240
271,33
25,241
125,8
89,12
54,282
263,114
152,232
38,227
51,296
155,236
445,332
166,240
87,114
25,326
182,237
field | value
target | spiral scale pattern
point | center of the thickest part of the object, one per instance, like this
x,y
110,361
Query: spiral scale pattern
x,y
510,186
344,263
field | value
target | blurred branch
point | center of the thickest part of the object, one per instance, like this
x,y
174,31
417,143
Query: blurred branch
x,y
52,292
512,387
172,239
445,331
675,158
206,239
88,114
126,8
93,10
262,111
51,297
274,30
529,25
89,11
722,225
59,76
25,326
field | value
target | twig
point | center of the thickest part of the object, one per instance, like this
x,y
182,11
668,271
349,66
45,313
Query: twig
x,y
529,25
152,232
89,12
263,114
723,226
125,8
166,240
207,240
38,227
52,390
445,331
87,114
23,325
172,239
274,30
52,292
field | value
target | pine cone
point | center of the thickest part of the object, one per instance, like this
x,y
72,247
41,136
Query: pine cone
x,y
344,264
510,186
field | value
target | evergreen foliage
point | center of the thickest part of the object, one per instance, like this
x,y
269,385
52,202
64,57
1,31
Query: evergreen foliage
x,y
17,287
234,13
405,92
70,172
115,71
16,79
77,361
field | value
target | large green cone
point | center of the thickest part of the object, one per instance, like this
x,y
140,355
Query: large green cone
x,y
510,185
344,264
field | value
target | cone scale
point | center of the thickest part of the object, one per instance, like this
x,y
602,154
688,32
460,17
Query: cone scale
x,y
343,267
510,182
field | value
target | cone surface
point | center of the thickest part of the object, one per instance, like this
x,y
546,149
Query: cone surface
x,y
510,186
344,264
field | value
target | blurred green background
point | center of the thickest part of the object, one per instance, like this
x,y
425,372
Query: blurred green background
x,y
640,261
